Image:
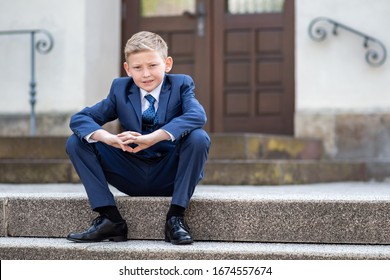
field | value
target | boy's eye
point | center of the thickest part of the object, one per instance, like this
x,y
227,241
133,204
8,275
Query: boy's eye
x,y
137,68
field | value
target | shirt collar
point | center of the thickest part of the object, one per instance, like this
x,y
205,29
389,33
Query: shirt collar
x,y
155,93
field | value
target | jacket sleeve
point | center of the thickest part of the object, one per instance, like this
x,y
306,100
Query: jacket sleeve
x,y
192,114
92,118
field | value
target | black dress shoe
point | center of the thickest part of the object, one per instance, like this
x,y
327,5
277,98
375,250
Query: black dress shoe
x,y
177,232
101,229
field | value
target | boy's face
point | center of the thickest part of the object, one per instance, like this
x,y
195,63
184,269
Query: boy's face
x,y
147,69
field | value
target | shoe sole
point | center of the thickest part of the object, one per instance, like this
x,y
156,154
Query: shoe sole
x,y
179,242
114,239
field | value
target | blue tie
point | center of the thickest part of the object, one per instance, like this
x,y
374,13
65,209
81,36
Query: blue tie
x,y
149,116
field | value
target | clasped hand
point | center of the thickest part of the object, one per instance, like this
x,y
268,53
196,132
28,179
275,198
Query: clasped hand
x,y
122,140
125,138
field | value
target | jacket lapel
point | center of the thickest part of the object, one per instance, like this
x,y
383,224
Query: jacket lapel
x,y
163,102
135,100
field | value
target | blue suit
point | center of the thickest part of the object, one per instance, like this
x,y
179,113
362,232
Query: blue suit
x,y
169,168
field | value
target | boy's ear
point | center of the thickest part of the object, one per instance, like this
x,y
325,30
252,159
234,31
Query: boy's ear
x,y
126,66
168,64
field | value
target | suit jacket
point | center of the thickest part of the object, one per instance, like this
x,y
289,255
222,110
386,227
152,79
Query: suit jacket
x,y
179,112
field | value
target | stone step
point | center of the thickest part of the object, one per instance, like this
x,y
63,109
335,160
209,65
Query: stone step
x,y
220,172
37,171
281,172
27,147
338,213
224,146
260,146
61,249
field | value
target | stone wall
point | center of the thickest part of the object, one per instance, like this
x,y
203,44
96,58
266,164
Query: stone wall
x,y
349,136
49,124
339,97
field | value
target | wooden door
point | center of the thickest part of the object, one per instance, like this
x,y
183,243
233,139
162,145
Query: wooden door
x,y
254,68
239,52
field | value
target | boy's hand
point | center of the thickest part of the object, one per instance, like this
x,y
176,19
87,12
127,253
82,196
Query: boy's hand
x,y
122,140
143,141
115,140
126,138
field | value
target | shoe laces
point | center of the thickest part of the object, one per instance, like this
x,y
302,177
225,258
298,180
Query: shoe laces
x,y
97,220
182,223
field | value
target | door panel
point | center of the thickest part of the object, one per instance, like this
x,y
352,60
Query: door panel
x,y
179,33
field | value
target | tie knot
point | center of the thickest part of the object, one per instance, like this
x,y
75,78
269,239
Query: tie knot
x,y
150,98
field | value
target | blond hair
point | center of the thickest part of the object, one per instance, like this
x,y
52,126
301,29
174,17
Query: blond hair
x,y
146,41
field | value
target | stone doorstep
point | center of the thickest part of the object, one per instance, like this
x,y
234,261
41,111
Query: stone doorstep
x,y
27,147
61,249
223,172
39,171
224,146
261,146
333,214
282,172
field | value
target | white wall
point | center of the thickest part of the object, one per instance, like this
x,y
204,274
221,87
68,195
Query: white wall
x,y
103,47
332,75
79,69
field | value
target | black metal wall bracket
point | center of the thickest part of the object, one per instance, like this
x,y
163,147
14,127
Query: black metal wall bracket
x,y
43,45
376,51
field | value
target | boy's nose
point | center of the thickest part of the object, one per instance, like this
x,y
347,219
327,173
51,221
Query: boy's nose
x,y
146,73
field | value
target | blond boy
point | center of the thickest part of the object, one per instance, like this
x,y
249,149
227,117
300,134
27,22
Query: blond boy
x,y
162,150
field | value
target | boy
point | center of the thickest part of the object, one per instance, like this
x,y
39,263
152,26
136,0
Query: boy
x,y
161,152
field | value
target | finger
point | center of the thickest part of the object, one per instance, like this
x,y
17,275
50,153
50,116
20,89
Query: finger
x,y
141,142
129,141
122,146
129,149
123,133
138,148
134,133
127,133
124,136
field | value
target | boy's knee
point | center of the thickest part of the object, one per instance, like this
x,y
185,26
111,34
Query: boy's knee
x,y
72,144
199,138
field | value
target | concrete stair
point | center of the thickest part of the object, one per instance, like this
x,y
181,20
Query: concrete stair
x,y
60,249
237,213
235,159
320,221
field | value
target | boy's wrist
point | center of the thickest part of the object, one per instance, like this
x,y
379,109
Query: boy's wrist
x,y
171,137
161,135
101,135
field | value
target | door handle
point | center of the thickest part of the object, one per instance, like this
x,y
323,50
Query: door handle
x,y
200,15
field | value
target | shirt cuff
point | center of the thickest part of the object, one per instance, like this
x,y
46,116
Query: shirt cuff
x,y
170,135
87,138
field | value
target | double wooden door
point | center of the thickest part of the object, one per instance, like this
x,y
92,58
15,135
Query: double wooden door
x,y
240,54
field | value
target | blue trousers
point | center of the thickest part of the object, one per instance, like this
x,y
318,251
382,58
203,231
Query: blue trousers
x,y
175,174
